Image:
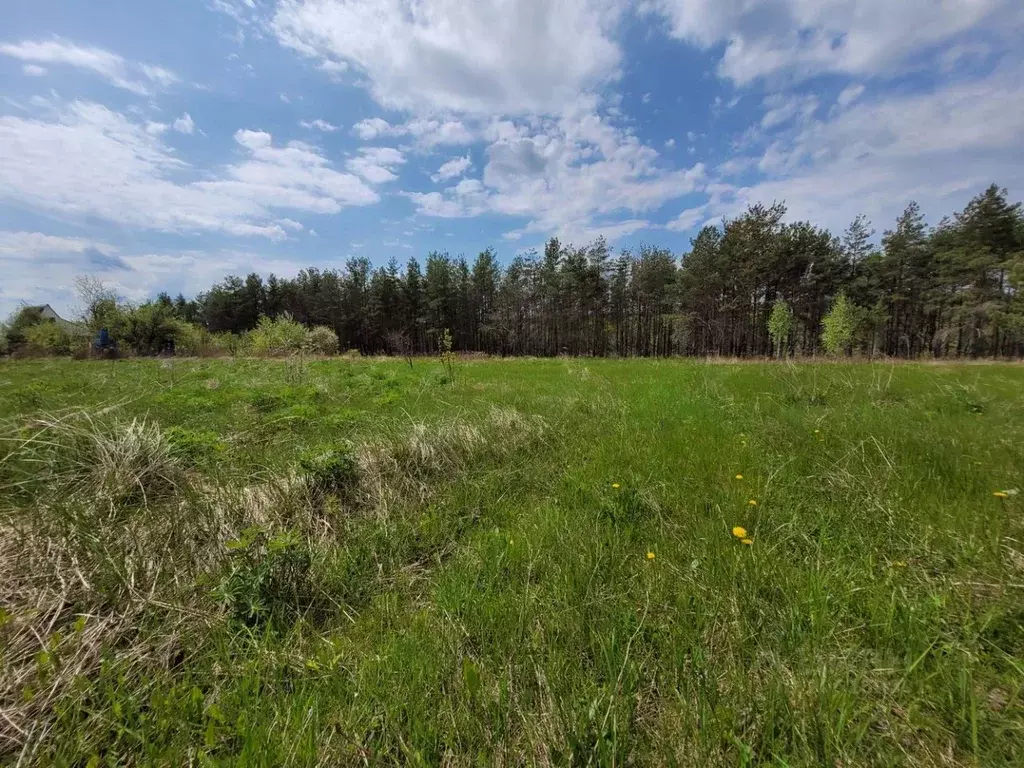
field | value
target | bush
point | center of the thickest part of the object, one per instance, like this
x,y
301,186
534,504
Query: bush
x,y
194,341
280,336
321,340
49,338
149,329
5,345
269,578
19,323
331,468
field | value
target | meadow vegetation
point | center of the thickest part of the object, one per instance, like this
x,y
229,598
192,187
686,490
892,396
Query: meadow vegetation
x,y
497,562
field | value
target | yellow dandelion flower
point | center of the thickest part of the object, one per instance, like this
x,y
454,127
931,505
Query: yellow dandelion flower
x,y
615,485
1001,495
748,542
739,532
650,555
752,503
739,477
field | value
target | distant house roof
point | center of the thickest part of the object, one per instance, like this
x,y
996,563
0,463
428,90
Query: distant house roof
x,y
46,312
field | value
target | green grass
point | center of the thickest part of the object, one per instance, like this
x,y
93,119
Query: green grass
x,y
354,562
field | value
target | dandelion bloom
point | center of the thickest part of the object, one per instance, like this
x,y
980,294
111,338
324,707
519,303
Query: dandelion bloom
x,y
650,555
739,532
739,477
615,485
752,503
1001,495
748,542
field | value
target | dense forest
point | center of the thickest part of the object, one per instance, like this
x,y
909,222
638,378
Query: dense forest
x,y
753,286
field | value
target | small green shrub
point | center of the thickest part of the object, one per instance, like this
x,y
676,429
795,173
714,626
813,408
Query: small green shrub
x,y
268,579
331,468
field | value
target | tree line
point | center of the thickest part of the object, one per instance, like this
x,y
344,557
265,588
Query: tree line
x,y
754,285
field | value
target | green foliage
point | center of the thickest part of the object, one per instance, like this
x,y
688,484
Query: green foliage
x,y
780,323
50,338
19,323
838,326
321,340
447,356
277,337
197,447
149,329
331,468
5,345
192,340
268,579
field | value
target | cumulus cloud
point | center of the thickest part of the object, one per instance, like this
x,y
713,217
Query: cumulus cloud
x,y
318,124
184,124
565,177
376,164
135,77
90,161
449,55
453,168
426,132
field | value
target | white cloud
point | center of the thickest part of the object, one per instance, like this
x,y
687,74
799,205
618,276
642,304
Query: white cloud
x,y
688,219
375,164
670,143
185,124
33,70
426,133
90,161
134,77
318,124
155,129
802,38
566,177
31,245
478,57
850,94
781,108
371,128
454,167
938,147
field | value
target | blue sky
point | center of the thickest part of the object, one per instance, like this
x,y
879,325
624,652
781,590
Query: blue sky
x,y
162,145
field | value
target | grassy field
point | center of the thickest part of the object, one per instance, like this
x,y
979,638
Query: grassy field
x,y
513,562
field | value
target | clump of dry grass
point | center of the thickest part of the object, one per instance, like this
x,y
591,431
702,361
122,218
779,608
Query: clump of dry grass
x,y
404,469
90,541
108,533
117,463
